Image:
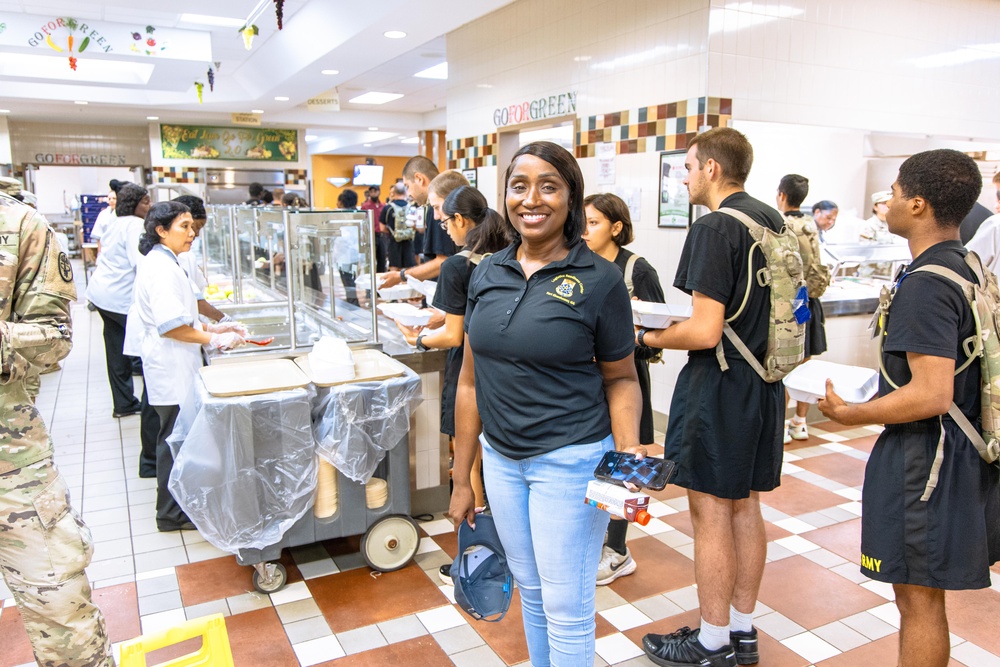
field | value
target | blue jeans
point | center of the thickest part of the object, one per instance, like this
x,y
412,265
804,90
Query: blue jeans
x,y
553,544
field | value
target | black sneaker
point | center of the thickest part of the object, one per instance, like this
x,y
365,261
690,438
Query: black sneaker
x,y
745,644
682,648
444,572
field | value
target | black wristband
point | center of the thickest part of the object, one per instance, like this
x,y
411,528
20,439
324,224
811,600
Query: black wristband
x,y
639,336
420,344
402,275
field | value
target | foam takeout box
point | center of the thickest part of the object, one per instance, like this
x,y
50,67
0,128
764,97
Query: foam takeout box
x,y
807,383
425,287
406,314
398,293
658,315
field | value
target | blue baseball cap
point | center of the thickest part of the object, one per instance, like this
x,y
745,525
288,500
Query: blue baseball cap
x,y
483,583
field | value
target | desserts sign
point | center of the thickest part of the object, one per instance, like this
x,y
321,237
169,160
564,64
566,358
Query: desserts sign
x,y
184,142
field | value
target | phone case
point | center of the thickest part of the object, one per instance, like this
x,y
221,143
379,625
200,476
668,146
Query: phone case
x,y
649,473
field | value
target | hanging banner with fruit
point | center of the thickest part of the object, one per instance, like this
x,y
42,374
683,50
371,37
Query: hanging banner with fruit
x,y
187,142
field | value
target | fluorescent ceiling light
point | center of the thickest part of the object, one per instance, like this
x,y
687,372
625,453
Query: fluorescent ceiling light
x,y
394,34
436,72
484,85
152,118
311,137
81,102
204,19
374,98
89,70
4,110
330,72
367,145
960,56
411,140
582,59
373,129
748,19
256,111
280,98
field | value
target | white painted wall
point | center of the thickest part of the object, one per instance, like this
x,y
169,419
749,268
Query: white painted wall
x,y
5,157
57,188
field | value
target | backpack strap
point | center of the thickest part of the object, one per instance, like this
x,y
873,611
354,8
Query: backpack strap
x,y
629,270
474,257
756,233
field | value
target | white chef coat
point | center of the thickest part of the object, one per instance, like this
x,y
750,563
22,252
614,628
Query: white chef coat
x,y
103,222
986,242
189,262
163,301
110,287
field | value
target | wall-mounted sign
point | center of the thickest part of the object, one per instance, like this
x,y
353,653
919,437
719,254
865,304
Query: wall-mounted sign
x,y
606,152
246,119
470,176
328,101
674,205
187,142
90,159
544,107
71,36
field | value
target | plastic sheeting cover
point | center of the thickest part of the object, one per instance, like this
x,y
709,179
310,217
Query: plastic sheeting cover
x,y
355,424
244,467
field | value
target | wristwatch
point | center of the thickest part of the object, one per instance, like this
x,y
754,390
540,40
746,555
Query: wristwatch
x,y
639,336
420,344
402,275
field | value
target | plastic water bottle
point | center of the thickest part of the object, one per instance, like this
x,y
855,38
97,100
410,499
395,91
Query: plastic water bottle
x,y
619,501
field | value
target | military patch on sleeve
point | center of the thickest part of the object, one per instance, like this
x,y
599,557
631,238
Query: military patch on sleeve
x,y
65,268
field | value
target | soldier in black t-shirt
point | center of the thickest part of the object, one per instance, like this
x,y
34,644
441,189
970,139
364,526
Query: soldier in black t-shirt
x,y
725,428
925,537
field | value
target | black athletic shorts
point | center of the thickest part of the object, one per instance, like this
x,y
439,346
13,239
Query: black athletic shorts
x,y
815,329
725,429
947,542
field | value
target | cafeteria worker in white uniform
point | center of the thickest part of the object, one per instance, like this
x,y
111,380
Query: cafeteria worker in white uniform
x,y
163,328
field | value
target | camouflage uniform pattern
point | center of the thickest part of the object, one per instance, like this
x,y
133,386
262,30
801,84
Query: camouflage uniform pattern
x,y
817,273
44,547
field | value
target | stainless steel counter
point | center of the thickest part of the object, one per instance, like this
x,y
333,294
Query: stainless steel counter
x,y
848,296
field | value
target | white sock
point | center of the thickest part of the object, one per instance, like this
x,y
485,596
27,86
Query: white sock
x,y
738,621
798,421
713,637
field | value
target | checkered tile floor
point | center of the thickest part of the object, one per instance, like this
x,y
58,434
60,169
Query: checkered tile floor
x,y
815,607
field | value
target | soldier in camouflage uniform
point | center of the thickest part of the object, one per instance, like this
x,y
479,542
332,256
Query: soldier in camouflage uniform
x,y
44,546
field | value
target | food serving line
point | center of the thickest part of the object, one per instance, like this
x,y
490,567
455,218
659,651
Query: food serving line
x,y
269,452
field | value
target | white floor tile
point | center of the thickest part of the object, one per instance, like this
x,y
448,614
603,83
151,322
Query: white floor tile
x,y
868,625
880,588
841,636
795,526
887,612
850,493
291,593
686,598
315,651
777,625
655,527
811,647
441,618
658,509
427,545
438,527
835,446
625,617
163,620
973,656
617,648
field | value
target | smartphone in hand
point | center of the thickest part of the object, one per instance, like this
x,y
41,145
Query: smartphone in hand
x,y
649,473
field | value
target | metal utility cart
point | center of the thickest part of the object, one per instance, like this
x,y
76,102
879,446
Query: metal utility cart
x,y
249,476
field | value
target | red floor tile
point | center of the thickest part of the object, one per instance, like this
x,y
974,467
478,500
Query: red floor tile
x,y
16,648
680,521
506,637
393,594
843,539
796,497
419,651
865,444
832,426
257,638
966,612
659,569
220,578
811,595
847,470
120,607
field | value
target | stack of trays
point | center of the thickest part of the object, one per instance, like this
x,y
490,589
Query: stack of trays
x,y
376,493
326,491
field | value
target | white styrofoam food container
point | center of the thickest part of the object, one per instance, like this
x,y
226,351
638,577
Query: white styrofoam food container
x,y
854,384
425,287
398,293
364,282
406,314
658,315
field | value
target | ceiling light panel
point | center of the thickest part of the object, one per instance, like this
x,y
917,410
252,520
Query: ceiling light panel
x,y
374,98
89,70
437,72
394,34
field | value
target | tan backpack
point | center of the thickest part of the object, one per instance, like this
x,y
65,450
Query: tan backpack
x,y
817,273
783,274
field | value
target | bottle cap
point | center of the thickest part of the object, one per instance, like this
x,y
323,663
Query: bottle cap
x,y
642,517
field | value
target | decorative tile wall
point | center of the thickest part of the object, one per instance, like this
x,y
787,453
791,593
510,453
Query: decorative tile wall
x,y
662,127
471,152
177,175
297,177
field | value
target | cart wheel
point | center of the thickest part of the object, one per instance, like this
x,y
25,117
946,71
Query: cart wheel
x,y
390,543
273,579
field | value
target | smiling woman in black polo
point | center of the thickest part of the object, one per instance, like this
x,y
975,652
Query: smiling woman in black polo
x,y
549,381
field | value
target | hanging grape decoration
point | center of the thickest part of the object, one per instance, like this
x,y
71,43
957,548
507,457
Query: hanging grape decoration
x,y
199,88
211,79
279,7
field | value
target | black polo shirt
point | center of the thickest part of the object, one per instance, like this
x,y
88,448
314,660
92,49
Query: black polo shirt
x,y
930,315
714,263
537,343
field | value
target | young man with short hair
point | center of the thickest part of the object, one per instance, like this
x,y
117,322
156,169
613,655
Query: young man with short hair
x,y
725,426
922,535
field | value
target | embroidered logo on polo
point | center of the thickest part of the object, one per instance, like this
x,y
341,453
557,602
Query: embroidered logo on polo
x,y
566,288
